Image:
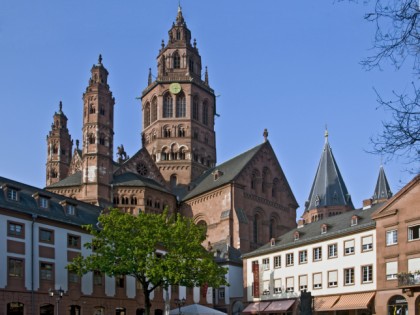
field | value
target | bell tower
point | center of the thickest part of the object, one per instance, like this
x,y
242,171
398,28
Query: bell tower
x,y
59,148
178,110
98,135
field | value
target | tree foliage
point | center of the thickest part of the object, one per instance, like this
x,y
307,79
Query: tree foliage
x,y
155,249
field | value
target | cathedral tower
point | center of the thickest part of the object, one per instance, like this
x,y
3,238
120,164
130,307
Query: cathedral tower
x,y
329,195
98,135
59,146
178,110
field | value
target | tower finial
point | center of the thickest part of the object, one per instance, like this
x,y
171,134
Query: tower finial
x,y
326,134
149,79
206,77
60,106
265,134
100,59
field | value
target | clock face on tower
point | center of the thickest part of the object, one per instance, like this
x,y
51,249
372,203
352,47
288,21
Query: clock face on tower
x,y
175,88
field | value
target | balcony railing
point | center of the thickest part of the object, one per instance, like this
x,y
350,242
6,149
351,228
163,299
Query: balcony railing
x,y
408,279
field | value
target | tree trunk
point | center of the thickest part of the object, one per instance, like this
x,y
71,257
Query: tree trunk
x,y
147,303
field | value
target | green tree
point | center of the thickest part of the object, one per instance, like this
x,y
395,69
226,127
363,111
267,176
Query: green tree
x,y
156,249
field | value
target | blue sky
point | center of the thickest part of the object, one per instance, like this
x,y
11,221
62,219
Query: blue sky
x,y
289,66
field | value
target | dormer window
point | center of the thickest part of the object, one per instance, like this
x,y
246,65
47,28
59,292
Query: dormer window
x,y
217,174
273,241
69,208
296,236
354,220
324,229
317,201
11,192
43,201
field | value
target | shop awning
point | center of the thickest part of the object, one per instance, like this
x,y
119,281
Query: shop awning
x,y
279,306
255,308
353,301
325,303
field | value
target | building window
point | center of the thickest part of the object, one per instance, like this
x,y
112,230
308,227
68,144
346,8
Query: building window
x,y
12,194
317,284
120,281
277,261
221,293
97,278
147,115
324,228
367,274
73,241
154,110
296,236
332,251
205,113
354,220
349,276
317,253
70,210
414,232
167,106
73,277
15,229
46,236
43,202
289,259
46,271
391,237
266,263
290,284
349,247
180,106
176,59
255,228
367,243
303,257
277,286
332,278
303,283
391,270
195,108
15,268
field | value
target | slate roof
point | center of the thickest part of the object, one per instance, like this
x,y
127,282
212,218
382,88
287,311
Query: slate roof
x,y
27,204
72,180
382,189
130,179
328,188
337,226
229,170
223,253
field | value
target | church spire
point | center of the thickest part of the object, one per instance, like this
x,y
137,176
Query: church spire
x,y
382,190
329,193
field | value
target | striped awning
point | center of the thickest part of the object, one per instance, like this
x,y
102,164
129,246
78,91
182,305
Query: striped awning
x,y
357,301
325,303
255,308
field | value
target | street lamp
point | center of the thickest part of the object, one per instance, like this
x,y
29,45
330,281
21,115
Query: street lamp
x,y
180,303
58,296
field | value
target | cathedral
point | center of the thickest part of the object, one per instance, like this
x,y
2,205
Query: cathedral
x,y
243,202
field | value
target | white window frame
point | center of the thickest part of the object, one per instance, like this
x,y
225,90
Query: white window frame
x,y
349,276
277,261
265,263
391,270
303,256
367,271
289,259
366,247
317,253
333,250
391,237
414,232
349,247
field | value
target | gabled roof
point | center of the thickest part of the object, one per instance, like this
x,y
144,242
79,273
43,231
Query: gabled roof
x,y
328,188
27,204
337,226
382,189
229,170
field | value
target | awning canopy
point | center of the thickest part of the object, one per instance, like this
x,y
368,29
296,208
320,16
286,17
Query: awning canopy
x,y
324,303
196,309
279,306
353,301
255,308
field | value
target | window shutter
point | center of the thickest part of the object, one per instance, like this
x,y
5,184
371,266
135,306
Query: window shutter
x,y
318,278
277,283
367,240
332,276
290,282
413,264
392,267
349,244
266,285
303,280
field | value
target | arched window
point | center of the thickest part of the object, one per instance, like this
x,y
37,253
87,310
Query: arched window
x,y
205,113
173,181
91,138
102,111
180,105
102,139
147,115
255,228
166,132
74,310
55,149
178,35
92,109
202,224
154,109
164,156
275,187
167,106
176,60
195,108
254,179
181,154
181,132
265,179
133,200
271,228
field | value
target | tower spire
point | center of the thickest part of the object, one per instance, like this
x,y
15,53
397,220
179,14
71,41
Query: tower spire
x,y
382,189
